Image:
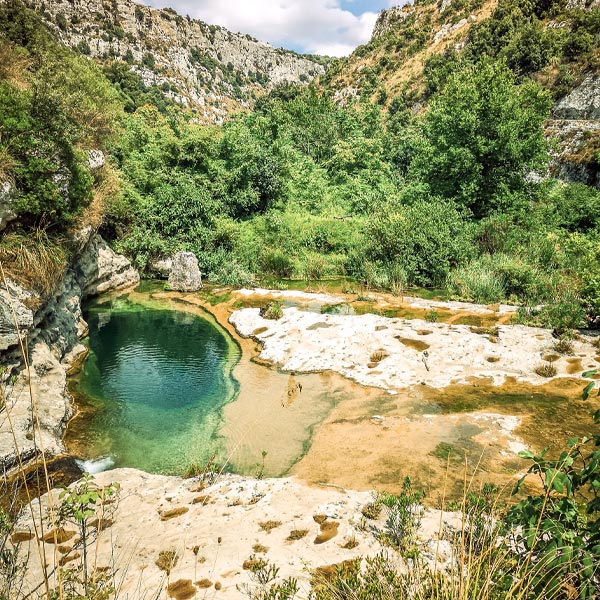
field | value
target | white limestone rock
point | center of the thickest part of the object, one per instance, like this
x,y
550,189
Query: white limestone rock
x,y
185,274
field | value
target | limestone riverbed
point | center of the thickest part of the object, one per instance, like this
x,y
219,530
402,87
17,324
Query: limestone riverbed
x,y
361,401
340,405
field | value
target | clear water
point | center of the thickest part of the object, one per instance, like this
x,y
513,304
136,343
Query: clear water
x,y
153,386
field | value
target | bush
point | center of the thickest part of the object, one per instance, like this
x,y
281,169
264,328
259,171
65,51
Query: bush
x,y
557,532
276,262
476,282
495,278
404,515
421,242
272,311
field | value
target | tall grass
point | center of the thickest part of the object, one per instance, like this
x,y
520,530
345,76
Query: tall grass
x,y
478,282
34,260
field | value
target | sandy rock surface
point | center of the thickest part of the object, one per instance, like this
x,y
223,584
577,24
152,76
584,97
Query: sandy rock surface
x,y
212,531
397,353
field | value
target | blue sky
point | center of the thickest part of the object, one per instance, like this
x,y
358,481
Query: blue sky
x,y
333,27
357,7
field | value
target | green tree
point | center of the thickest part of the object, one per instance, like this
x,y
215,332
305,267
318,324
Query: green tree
x,y
482,133
425,240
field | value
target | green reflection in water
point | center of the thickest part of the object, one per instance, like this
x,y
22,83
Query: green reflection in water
x,y
153,386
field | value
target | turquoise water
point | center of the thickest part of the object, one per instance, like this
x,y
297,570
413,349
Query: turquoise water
x,y
153,386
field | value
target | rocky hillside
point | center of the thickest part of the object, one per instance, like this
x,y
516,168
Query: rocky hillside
x,y
415,47
205,67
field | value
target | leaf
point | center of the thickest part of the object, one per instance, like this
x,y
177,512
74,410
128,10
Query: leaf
x,y
588,374
527,454
587,390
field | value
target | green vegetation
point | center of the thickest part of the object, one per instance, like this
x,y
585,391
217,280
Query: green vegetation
x,y
54,106
303,188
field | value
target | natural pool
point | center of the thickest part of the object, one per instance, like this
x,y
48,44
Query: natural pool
x,y
169,384
153,386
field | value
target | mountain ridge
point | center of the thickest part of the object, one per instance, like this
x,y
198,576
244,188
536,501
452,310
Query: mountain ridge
x,y
206,68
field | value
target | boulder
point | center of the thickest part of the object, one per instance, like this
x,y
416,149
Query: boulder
x,y
583,103
103,270
96,159
16,313
185,274
6,211
161,267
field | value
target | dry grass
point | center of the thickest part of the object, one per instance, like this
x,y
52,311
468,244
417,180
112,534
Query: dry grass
x,y
7,166
297,534
372,510
350,544
378,356
546,370
563,347
268,526
34,260
108,188
167,559
14,65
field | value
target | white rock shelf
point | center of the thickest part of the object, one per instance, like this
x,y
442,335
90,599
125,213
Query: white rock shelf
x,y
308,342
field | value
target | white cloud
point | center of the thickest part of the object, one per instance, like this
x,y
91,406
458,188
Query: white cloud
x,y
316,26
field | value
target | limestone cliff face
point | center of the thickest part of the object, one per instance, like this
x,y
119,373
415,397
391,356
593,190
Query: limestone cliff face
x,y
388,19
50,329
203,66
575,129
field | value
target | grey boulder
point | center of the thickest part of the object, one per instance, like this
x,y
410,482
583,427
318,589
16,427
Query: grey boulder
x,y
185,274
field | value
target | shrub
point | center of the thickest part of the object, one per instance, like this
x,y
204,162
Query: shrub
x,y
546,370
230,272
476,282
148,60
556,532
272,310
404,515
432,316
563,347
424,240
277,262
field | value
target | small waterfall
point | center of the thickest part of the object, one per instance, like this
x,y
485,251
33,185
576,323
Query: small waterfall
x,y
96,466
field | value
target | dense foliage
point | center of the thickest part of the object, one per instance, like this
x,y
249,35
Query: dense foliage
x,y
53,106
302,187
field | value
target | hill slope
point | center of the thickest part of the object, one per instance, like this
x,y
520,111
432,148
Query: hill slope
x,y
556,42
205,67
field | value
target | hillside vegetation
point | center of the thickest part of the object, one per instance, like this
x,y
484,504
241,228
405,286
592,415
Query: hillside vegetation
x,y
306,188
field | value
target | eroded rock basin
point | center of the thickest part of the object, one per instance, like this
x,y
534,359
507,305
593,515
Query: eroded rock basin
x,y
327,428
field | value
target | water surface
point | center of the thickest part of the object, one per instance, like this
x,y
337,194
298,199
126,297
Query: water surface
x,y
152,390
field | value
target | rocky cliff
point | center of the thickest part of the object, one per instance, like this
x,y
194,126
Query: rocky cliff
x,y
575,129
49,331
205,67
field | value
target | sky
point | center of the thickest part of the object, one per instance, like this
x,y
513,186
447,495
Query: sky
x,y
330,27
